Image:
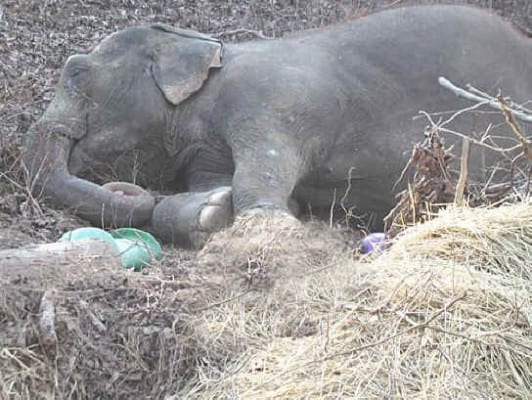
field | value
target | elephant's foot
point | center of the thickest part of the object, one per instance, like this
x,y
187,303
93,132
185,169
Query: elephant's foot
x,y
262,243
215,215
274,214
190,218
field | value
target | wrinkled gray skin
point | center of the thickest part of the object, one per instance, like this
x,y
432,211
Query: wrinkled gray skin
x,y
268,124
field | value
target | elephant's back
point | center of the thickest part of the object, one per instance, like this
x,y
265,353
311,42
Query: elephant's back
x,y
381,70
410,47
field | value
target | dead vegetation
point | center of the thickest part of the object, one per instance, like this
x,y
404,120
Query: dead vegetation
x,y
433,184
148,333
444,314
116,335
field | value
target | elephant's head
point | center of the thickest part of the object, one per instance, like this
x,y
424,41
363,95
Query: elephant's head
x,y
117,99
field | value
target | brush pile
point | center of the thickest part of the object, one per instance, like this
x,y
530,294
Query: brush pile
x,y
433,185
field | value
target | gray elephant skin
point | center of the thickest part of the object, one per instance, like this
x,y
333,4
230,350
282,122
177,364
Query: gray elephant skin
x,y
264,125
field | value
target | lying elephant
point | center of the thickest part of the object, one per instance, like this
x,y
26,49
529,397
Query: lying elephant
x,y
306,120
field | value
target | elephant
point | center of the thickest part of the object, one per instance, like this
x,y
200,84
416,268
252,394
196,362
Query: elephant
x,y
204,131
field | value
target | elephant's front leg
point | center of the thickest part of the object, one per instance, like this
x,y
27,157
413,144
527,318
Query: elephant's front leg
x,y
188,219
265,177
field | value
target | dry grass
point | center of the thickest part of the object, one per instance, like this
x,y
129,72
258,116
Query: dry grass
x,y
273,308
145,334
446,313
262,247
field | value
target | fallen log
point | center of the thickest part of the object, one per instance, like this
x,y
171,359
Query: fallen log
x,y
56,259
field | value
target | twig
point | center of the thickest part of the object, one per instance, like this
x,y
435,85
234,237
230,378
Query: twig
x,y
404,171
492,102
98,325
253,32
222,302
463,111
526,145
462,179
493,147
346,194
331,210
46,320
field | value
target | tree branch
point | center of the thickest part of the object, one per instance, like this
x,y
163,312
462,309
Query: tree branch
x,y
491,101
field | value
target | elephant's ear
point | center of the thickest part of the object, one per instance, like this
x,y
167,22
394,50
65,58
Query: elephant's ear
x,y
182,60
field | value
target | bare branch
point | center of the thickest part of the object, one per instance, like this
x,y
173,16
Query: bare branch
x,y
492,101
526,145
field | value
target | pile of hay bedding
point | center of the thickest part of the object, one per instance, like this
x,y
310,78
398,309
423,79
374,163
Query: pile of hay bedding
x,y
273,308
445,313
122,334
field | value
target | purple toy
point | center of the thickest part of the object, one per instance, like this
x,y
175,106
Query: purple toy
x,y
372,242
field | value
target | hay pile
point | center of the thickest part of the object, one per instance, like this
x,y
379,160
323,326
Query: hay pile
x,y
446,313
272,308
264,246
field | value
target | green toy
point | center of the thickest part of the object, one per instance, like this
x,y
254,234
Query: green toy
x,y
135,247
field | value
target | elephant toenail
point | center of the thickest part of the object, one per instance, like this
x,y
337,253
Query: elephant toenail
x,y
213,218
220,198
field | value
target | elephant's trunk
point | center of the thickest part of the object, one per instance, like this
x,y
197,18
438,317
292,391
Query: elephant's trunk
x,y
46,158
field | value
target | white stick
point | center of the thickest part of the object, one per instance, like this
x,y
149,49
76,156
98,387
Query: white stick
x,y
492,102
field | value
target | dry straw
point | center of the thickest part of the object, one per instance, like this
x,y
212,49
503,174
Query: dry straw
x,y
276,309
445,313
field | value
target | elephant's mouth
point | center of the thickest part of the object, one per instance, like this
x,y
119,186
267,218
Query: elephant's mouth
x,y
91,161
77,159
97,168
81,161
77,156
56,152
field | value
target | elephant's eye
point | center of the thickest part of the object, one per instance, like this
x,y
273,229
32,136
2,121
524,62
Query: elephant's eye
x,y
76,79
76,73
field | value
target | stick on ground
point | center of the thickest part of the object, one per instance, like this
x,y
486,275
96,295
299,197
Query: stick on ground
x,y
47,319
